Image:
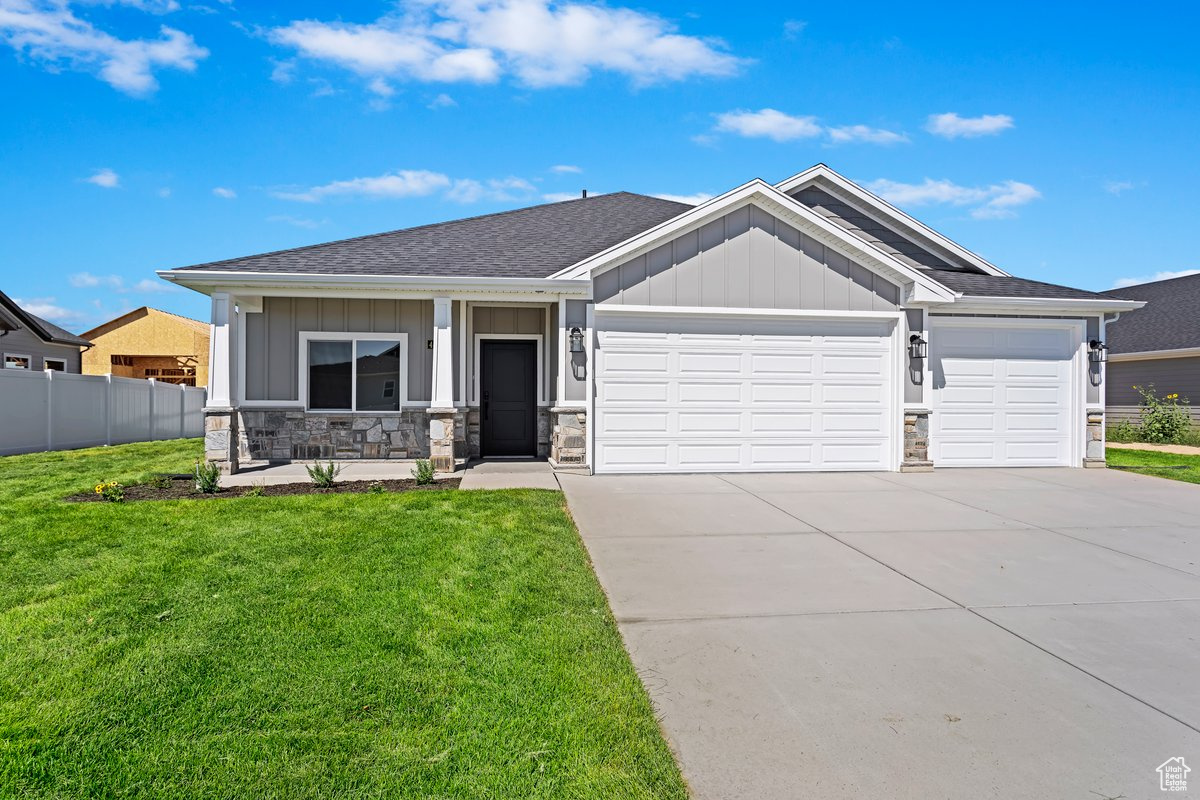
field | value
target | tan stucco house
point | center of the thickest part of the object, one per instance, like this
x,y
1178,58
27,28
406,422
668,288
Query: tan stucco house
x,y
149,343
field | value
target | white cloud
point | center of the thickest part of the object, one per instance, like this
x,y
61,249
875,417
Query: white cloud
x,y
863,133
561,197
792,28
298,222
952,126
768,123
404,183
539,42
1166,275
468,190
86,280
165,192
153,286
566,169
996,201
443,100
48,308
48,32
689,199
224,192
104,178
1117,187
378,86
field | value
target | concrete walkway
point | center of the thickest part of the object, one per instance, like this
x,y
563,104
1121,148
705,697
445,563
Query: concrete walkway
x,y
509,474
297,472
964,633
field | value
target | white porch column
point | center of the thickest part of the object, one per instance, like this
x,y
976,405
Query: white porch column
x,y
443,354
222,354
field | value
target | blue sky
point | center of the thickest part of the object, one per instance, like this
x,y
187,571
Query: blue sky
x,y
1058,140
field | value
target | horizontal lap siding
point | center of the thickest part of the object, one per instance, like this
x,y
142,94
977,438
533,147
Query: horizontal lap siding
x,y
747,259
22,342
273,339
1169,375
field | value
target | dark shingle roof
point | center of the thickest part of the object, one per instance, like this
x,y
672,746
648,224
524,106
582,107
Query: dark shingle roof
x,y
47,331
530,242
1170,320
978,285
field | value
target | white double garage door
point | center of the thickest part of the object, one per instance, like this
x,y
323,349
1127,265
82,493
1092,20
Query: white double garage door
x,y
742,394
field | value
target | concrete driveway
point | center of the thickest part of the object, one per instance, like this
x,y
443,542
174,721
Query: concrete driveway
x,y
966,633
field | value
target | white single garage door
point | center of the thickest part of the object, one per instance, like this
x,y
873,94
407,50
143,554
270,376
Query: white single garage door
x,y
681,394
1003,393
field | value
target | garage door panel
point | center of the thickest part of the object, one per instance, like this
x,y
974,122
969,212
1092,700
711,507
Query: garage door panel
x,y
740,395
1002,396
636,362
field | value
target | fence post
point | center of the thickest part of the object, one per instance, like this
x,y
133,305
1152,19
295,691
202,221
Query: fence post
x,y
150,381
49,409
108,409
182,410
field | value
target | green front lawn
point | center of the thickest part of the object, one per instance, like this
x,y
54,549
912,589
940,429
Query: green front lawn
x,y
432,644
1149,462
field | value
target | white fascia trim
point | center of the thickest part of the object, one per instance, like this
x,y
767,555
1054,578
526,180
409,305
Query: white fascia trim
x,y
778,203
1154,355
1039,305
211,280
610,309
811,174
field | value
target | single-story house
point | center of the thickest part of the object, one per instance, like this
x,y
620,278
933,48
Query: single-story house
x,y
30,342
806,325
150,343
1158,344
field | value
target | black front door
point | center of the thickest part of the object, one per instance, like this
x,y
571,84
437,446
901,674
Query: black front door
x,y
508,398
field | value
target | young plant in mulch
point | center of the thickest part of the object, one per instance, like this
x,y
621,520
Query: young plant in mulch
x,y
208,477
111,492
423,472
324,476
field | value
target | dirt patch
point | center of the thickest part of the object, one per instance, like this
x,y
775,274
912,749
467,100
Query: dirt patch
x,y
1174,449
183,488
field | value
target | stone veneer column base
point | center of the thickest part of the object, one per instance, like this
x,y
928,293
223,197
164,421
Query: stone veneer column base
x,y
221,438
447,438
568,437
916,441
1094,457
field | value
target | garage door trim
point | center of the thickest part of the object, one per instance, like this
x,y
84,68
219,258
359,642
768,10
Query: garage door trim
x,y
1077,371
896,377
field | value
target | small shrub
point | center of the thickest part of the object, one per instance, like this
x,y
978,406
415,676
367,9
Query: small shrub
x,y
255,491
111,491
1165,420
161,481
376,487
423,471
323,476
1123,431
208,477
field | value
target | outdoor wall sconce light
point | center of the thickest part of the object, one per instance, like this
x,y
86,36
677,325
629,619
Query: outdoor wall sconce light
x,y
1097,351
917,347
576,340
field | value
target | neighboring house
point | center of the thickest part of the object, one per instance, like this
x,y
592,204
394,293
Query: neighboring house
x,y
1158,344
808,325
149,343
29,342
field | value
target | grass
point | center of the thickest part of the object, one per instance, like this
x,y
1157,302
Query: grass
x,y
431,644
1151,462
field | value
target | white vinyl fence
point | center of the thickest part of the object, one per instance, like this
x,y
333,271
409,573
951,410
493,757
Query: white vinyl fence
x,y
61,411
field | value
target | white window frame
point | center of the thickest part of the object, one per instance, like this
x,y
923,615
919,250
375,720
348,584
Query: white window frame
x,y
62,362
353,338
542,399
25,356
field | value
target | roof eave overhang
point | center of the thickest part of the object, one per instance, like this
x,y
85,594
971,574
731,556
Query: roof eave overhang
x,y
1010,305
266,283
1154,355
868,200
918,286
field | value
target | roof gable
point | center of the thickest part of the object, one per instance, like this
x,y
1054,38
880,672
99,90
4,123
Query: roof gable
x,y
873,219
1170,320
44,330
143,313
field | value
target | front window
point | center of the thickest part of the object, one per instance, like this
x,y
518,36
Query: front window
x,y
16,362
354,374
55,364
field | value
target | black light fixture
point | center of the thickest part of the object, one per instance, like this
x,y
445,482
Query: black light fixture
x,y
576,340
917,347
1097,351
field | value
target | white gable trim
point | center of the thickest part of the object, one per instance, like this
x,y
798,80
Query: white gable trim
x,y
918,286
882,212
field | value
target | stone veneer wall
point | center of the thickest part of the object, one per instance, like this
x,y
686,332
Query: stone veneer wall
x,y
568,443
474,435
285,434
916,442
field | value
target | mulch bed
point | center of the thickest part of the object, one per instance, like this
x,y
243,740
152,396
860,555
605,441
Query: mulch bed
x,y
182,487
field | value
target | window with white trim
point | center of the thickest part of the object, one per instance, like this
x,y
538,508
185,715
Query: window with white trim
x,y
55,364
16,361
353,372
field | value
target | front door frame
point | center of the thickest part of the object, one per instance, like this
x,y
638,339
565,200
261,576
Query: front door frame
x,y
535,393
